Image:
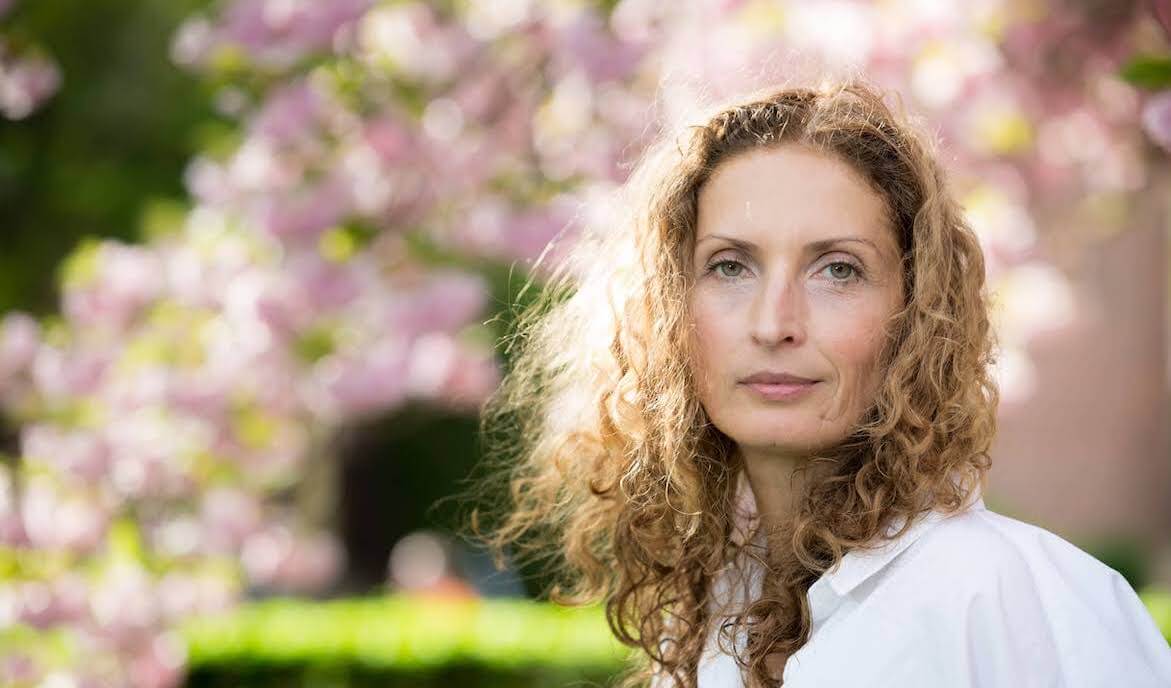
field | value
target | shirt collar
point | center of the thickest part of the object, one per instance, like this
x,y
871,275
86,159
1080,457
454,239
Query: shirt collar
x,y
857,564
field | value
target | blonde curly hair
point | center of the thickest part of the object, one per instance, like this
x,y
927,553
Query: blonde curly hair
x,y
618,478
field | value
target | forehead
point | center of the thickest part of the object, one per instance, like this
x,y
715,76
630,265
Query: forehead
x,y
790,192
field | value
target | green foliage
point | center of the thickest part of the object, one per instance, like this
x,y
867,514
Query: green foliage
x,y
1149,72
115,137
400,640
1158,603
1128,556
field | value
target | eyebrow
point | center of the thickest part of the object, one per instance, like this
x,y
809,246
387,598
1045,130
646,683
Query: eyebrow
x,y
819,245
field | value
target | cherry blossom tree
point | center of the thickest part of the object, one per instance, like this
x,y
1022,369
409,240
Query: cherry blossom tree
x,y
332,263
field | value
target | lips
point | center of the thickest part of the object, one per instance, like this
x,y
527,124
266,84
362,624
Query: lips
x,y
779,387
772,378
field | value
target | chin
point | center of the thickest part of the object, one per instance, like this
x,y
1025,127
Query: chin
x,y
784,438
787,446
776,440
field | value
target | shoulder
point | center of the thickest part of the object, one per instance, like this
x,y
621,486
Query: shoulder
x,y
987,555
1026,596
982,548
980,600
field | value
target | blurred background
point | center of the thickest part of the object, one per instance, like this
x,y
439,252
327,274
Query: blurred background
x,y
255,256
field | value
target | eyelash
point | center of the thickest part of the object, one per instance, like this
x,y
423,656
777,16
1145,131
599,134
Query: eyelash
x,y
857,270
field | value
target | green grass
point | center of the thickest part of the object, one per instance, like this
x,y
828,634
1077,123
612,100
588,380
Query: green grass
x,y
405,633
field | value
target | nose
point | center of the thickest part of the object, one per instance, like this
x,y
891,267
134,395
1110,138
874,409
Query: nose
x,y
780,313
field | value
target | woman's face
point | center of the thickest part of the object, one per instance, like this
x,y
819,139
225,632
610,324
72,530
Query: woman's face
x,y
796,273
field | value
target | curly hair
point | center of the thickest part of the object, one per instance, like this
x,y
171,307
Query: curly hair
x,y
617,477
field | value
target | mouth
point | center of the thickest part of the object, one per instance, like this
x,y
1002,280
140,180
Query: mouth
x,y
781,391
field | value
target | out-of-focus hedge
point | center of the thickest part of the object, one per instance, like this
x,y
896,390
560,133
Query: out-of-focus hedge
x,y
401,641
1159,604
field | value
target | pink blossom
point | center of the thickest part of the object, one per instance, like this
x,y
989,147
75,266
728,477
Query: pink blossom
x,y
639,20
1156,118
229,516
473,378
55,518
59,374
434,358
208,181
20,335
124,605
151,452
290,114
308,288
281,560
483,94
199,393
125,278
183,593
193,42
301,215
467,166
80,454
359,385
312,564
274,34
444,300
267,449
584,42
18,668
12,532
158,662
261,167
60,602
326,287
495,230
279,306
442,368
25,83
411,37
11,526
389,138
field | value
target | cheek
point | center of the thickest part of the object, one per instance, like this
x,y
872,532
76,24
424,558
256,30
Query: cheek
x,y
853,340
713,332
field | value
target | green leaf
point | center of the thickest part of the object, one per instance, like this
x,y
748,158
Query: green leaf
x,y
1148,71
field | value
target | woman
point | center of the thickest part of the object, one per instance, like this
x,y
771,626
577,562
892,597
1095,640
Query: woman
x,y
753,412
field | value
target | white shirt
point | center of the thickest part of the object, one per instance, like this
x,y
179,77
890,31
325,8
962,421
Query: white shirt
x,y
971,600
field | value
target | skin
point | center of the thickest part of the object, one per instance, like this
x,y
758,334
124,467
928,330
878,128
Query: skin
x,y
796,269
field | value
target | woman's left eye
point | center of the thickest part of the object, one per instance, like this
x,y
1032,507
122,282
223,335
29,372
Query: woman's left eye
x,y
842,271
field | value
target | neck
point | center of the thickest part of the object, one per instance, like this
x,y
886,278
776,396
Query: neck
x,y
774,482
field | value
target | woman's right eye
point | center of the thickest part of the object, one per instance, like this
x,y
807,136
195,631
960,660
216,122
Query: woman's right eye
x,y
722,268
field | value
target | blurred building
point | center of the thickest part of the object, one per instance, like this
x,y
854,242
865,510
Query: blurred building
x,y
1087,455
